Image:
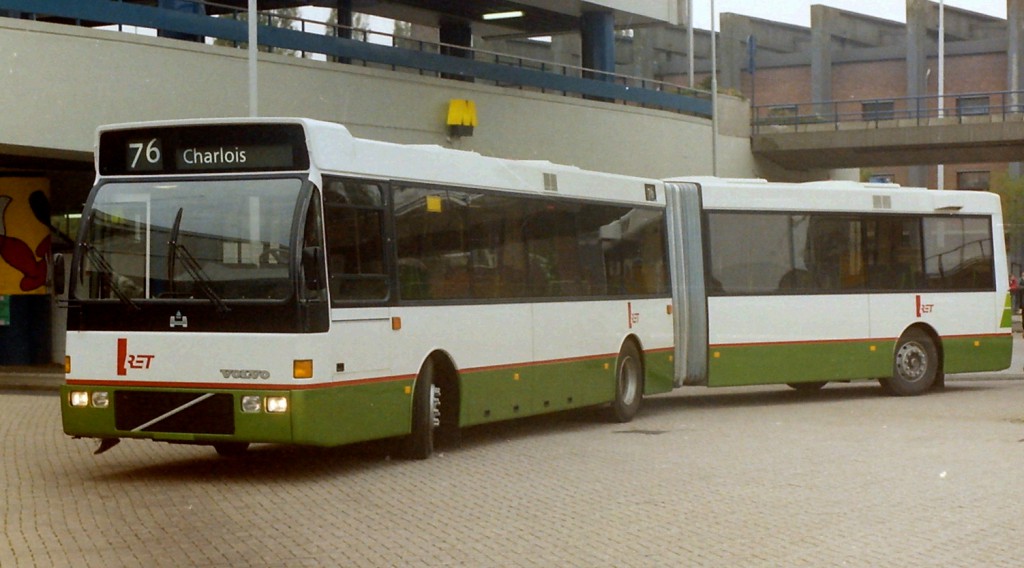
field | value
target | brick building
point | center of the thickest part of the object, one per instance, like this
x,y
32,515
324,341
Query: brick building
x,y
846,66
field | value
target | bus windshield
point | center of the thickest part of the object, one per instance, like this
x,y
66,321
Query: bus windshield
x,y
211,240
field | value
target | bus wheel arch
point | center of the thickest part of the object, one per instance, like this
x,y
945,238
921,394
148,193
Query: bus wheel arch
x,y
917,363
629,381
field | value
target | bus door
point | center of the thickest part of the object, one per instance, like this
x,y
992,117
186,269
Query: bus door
x,y
689,295
354,224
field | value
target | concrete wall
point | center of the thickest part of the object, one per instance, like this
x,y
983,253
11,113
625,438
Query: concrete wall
x,y
60,82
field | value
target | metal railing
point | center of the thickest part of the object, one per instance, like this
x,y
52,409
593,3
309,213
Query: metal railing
x,y
887,112
302,38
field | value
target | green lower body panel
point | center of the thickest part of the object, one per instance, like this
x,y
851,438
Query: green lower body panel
x,y
659,369
327,416
346,413
512,392
977,354
755,364
758,364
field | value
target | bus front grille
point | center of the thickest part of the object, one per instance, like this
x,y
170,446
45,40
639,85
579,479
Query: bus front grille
x,y
174,412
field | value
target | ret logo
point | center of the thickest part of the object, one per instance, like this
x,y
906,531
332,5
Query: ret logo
x,y
127,360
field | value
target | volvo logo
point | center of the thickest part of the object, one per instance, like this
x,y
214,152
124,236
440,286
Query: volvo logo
x,y
245,374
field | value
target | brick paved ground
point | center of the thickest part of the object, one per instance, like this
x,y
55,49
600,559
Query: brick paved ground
x,y
756,477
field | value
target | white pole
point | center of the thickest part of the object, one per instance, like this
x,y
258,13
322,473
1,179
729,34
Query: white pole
x,y
689,38
253,47
714,95
941,170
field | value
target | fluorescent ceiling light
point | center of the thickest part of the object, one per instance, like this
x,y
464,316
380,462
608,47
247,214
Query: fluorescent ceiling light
x,y
504,15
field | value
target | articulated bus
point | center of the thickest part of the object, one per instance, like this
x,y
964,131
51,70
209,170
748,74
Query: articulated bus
x,y
244,281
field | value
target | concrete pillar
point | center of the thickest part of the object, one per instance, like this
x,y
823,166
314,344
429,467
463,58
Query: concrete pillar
x,y
565,49
917,73
733,51
181,6
917,48
597,33
644,64
821,58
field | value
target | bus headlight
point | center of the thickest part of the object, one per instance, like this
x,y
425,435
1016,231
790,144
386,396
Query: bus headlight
x,y
100,399
252,404
79,399
277,404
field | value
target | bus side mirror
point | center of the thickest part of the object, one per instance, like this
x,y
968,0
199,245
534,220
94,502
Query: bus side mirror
x,y
58,274
312,267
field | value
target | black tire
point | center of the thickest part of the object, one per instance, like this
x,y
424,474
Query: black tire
x,y
915,365
419,444
231,449
629,384
807,387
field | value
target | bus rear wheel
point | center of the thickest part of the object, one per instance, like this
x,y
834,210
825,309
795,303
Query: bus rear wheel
x,y
915,365
629,384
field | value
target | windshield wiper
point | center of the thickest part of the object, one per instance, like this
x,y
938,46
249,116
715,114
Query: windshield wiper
x,y
174,249
107,273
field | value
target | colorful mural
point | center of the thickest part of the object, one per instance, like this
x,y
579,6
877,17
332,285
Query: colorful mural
x,y
24,235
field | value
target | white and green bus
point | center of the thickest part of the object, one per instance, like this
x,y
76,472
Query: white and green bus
x,y
281,281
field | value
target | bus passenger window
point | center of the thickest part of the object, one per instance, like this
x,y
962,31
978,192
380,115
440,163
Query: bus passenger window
x,y
893,250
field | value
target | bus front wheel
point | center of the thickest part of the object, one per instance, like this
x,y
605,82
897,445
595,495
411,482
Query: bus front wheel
x,y
915,365
419,444
629,384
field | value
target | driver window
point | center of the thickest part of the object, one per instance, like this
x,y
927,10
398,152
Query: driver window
x,y
354,225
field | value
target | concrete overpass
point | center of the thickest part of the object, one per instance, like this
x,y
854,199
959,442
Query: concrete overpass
x,y
912,135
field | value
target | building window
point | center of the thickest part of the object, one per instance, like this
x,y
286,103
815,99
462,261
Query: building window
x,y
972,105
878,110
975,180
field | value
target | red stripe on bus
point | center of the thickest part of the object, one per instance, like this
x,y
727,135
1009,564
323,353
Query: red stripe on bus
x,y
332,384
868,340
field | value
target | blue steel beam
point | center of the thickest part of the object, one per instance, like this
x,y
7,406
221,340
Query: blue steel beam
x,y
110,12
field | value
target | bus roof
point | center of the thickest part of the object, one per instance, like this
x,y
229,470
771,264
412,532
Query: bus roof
x,y
837,195
333,149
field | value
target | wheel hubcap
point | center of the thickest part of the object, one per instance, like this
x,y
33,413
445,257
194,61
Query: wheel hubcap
x,y
912,361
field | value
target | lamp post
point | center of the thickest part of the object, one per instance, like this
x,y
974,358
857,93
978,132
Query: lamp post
x,y
714,95
941,170
689,38
253,47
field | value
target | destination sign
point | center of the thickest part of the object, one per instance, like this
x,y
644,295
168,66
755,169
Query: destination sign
x,y
234,157
203,149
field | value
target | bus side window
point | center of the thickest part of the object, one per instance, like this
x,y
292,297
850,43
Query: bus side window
x,y
354,225
958,253
894,253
